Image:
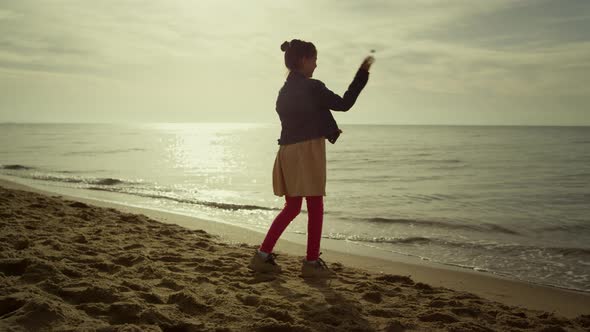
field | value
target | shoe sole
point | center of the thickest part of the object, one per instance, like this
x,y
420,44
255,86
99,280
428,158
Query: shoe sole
x,y
265,271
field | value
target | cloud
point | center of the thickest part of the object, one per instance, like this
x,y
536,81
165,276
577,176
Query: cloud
x,y
523,25
158,51
522,48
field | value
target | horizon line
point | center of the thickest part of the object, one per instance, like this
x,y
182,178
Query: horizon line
x,y
278,124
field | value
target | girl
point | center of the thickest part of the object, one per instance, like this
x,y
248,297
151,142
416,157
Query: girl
x,y
303,106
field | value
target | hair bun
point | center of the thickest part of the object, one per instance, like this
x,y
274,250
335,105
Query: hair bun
x,y
285,46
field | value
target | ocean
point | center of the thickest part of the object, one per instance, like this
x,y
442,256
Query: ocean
x,y
506,200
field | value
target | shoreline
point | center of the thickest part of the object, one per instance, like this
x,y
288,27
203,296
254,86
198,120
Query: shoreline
x,y
568,303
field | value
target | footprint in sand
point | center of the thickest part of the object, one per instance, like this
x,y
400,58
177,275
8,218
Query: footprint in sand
x,y
280,315
79,205
188,303
374,297
88,294
438,317
249,300
466,311
79,238
129,259
8,305
151,298
38,314
170,283
385,313
133,246
106,267
125,312
169,257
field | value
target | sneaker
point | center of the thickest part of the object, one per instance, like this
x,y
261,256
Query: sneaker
x,y
316,269
261,264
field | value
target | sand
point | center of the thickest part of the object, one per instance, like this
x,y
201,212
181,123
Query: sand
x,y
66,265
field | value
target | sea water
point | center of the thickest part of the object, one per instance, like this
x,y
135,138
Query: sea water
x,y
507,200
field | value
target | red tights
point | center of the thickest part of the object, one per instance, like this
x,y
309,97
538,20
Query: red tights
x,y
315,217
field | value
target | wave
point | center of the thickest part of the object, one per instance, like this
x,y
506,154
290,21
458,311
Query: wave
x,y
392,240
571,227
486,247
118,186
428,198
482,227
108,182
418,161
218,205
413,161
15,167
536,261
572,251
95,152
418,178
65,179
89,181
408,240
452,161
574,176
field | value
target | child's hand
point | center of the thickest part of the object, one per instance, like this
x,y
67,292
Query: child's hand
x,y
333,137
367,62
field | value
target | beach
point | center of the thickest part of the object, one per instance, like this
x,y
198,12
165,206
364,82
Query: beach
x,y
140,144
69,264
451,196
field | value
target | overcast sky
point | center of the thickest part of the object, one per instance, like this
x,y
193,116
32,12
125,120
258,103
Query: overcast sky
x,y
437,62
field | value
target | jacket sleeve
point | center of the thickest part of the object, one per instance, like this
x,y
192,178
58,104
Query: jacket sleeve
x,y
329,99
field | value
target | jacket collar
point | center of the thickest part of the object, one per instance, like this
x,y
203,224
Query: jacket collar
x,y
295,75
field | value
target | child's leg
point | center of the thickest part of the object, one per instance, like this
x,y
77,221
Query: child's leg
x,y
315,219
282,220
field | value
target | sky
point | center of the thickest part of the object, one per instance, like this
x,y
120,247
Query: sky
x,y
461,62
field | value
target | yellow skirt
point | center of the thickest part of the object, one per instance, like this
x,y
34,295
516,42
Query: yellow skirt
x,y
300,169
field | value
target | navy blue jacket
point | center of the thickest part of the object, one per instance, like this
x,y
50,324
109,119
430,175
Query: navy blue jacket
x,y
304,106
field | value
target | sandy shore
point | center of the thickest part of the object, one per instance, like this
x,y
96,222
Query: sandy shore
x,y
73,265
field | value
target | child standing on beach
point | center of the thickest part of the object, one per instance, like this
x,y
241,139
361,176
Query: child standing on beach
x,y
303,106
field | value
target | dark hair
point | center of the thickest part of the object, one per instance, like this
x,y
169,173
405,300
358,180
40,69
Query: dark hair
x,y
295,50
